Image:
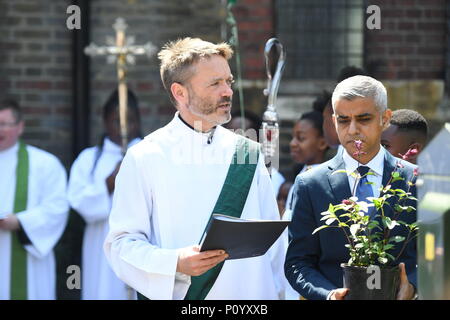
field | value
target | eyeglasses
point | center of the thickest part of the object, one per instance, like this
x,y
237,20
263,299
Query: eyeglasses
x,y
7,125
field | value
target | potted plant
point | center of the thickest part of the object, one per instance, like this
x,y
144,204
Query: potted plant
x,y
370,238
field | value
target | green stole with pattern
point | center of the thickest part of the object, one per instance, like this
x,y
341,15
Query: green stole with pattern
x,y
231,202
18,285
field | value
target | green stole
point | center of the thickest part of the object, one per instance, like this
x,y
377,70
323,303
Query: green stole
x,y
231,202
18,284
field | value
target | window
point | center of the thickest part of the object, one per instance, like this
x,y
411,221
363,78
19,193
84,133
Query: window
x,y
320,36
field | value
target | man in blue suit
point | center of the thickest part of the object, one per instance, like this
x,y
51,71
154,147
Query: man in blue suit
x,y
312,264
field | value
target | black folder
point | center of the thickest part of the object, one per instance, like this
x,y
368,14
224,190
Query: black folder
x,y
241,238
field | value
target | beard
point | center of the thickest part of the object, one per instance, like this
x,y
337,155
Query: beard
x,y
209,110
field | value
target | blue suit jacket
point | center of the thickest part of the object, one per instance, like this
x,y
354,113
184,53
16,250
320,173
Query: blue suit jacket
x,y
312,264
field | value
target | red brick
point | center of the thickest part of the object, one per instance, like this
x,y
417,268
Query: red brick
x,y
63,85
431,50
406,26
146,86
432,26
413,13
406,74
429,74
36,111
435,13
42,85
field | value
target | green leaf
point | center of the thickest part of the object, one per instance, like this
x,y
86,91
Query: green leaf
x,y
397,239
390,224
395,174
331,208
390,256
320,228
354,228
372,225
339,171
382,260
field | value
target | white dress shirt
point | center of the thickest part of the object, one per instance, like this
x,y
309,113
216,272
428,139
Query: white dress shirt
x,y
376,166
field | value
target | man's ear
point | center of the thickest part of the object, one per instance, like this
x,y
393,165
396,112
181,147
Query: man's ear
x,y
180,93
386,118
334,119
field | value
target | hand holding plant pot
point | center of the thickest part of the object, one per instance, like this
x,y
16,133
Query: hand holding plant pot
x,y
372,271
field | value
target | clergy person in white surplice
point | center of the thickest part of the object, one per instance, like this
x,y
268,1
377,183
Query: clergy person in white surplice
x,y
170,183
91,186
33,212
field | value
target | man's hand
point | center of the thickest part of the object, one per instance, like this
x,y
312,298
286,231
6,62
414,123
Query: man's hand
x,y
10,223
111,180
338,294
406,289
194,263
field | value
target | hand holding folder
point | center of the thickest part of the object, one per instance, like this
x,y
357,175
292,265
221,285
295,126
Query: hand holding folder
x,y
241,238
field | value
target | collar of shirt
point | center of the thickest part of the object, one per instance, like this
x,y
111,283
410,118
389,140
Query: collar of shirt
x,y
206,137
10,150
376,165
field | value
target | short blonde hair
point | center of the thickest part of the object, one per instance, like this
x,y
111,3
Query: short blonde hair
x,y
177,58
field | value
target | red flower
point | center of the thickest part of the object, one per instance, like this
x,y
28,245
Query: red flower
x,y
410,153
358,146
347,202
416,171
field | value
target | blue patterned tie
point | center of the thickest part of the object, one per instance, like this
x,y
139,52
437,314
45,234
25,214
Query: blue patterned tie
x,y
363,189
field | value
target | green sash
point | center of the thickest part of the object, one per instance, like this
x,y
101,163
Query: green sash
x,y
18,284
231,202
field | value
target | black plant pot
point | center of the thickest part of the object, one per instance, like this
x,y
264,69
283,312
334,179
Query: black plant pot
x,y
371,284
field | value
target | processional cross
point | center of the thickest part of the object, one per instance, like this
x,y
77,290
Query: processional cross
x,y
121,51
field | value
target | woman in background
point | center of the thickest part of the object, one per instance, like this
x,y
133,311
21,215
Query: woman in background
x,y
90,191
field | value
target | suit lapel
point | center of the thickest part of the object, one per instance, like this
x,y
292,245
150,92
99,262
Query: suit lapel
x,y
389,166
338,180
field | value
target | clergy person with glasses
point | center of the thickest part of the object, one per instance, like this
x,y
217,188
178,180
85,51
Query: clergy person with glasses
x,y
312,264
33,212
170,183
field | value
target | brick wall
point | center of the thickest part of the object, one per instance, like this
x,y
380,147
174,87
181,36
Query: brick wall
x,y
255,24
411,43
35,70
154,21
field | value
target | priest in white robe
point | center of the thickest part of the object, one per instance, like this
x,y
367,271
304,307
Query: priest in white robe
x,y
168,185
34,229
91,186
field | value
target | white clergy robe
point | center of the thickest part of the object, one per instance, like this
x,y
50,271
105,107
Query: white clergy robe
x,y
165,192
89,196
43,221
